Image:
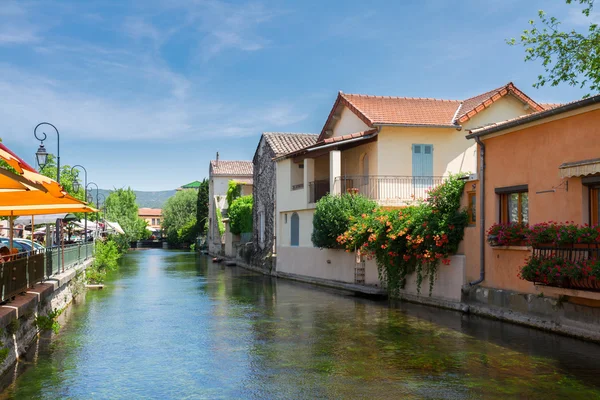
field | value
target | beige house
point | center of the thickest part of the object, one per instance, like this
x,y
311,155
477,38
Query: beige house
x,y
153,216
220,173
390,149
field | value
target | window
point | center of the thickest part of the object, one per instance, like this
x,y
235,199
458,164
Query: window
x,y
295,230
157,221
514,204
153,221
472,207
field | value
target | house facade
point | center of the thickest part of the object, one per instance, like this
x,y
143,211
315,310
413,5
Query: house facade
x,y
270,146
153,216
220,173
390,149
535,169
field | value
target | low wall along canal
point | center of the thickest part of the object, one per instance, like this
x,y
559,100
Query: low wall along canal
x,y
35,288
172,324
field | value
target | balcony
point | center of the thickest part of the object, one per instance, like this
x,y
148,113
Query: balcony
x,y
317,189
388,190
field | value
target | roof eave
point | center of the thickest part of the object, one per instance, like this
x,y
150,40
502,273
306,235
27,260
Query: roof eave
x,y
534,117
446,126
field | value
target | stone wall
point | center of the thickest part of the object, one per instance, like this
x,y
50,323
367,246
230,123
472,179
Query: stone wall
x,y
18,330
264,202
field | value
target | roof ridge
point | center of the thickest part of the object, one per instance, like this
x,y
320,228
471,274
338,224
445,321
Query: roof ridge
x,y
290,133
489,91
371,96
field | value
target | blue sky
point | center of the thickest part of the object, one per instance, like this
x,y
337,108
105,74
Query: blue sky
x,y
144,92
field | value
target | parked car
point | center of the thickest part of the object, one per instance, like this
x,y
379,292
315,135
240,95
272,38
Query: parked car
x,y
27,243
23,245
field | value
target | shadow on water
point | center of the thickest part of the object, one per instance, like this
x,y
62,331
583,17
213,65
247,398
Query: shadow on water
x,y
172,324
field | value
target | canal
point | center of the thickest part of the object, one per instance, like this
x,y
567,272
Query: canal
x,y
173,325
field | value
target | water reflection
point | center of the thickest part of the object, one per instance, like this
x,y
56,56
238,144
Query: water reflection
x,y
172,324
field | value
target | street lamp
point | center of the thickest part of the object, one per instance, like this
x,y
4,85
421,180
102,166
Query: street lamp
x,y
41,155
102,199
94,183
76,187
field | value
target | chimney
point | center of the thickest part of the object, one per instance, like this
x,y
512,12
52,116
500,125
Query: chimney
x,y
217,158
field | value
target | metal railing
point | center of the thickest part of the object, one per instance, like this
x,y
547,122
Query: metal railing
x,y
23,270
318,189
388,189
576,253
73,254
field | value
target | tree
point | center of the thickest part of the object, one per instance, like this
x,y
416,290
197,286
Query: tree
x,y
570,57
178,211
202,207
121,206
234,190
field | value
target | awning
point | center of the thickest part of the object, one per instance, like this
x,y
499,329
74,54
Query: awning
x,y
580,168
27,192
44,219
115,227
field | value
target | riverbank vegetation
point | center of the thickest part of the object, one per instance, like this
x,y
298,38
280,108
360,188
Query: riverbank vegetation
x,y
240,215
412,239
179,218
106,257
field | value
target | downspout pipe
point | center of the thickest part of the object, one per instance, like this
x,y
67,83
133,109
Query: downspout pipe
x,y
481,212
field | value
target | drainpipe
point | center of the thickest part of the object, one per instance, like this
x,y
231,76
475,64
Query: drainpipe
x,y
481,212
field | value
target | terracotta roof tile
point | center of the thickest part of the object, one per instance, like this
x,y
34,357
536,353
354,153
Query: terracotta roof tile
x,y
283,143
548,106
382,110
231,168
157,212
402,110
472,106
348,137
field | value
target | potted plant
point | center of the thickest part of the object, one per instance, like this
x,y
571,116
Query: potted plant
x,y
511,234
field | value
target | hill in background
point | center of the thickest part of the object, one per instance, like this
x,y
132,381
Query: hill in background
x,y
145,199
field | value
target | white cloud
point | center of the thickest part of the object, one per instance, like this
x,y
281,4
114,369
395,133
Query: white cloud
x,y
215,25
28,99
15,28
576,18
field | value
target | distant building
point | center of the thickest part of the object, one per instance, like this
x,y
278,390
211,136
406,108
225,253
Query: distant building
x,y
192,185
152,215
220,173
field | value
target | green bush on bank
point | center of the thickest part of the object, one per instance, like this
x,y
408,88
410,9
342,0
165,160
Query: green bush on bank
x,y
106,259
240,215
332,217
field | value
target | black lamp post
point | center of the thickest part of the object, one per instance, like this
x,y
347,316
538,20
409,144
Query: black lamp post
x,y
76,187
102,199
94,183
41,155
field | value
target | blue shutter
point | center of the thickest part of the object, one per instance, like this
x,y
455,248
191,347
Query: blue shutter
x,y
422,168
295,230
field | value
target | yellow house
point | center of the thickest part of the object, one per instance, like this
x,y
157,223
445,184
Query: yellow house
x,y
390,149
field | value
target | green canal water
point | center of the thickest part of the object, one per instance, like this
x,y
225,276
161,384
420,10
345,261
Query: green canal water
x,y
173,325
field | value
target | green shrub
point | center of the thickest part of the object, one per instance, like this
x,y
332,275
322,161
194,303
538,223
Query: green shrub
x,y
188,232
49,322
240,215
332,217
234,190
106,255
106,259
